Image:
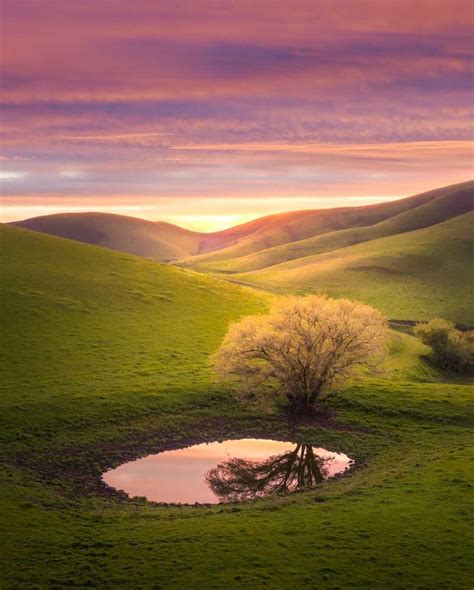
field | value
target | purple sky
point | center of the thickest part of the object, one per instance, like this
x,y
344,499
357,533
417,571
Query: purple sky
x,y
213,112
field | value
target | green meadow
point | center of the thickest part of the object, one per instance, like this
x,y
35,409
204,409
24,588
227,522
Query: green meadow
x,y
105,357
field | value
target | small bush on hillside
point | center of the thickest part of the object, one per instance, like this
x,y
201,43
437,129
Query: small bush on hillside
x,y
453,350
301,349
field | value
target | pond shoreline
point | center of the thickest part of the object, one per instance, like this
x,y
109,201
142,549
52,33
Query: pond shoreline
x,y
77,473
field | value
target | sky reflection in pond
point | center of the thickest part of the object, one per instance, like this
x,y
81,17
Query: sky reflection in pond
x,y
233,470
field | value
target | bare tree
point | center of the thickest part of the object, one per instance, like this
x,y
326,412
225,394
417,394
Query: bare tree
x,y
302,348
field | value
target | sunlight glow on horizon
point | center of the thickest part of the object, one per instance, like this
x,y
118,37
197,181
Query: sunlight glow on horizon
x,y
195,220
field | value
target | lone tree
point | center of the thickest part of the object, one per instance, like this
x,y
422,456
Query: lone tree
x,y
301,349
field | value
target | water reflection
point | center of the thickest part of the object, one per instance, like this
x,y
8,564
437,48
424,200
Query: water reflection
x,y
237,480
228,471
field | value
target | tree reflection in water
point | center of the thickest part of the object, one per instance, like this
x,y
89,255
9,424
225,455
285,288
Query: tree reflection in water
x,y
237,480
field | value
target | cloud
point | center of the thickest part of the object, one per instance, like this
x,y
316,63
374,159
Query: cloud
x,y
112,137
235,99
370,149
9,175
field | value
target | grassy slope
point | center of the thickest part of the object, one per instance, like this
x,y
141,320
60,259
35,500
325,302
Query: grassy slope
x,y
286,230
85,311
233,235
162,241
157,240
103,348
416,275
449,204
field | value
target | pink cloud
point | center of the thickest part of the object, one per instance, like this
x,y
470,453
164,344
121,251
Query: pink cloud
x,y
233,100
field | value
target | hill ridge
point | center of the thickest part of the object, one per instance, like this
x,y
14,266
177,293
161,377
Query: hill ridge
x,y
445,206
171,243
420,274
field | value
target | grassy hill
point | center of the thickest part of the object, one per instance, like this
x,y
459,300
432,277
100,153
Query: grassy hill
x,y
414,275
157,240
447,204
224,250
83,309
162,241
314,231
105,359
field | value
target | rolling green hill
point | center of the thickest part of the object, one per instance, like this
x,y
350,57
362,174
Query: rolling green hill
x,y
252,245
162,241
288,238
156,240
105,359
414,275
449,203
70,310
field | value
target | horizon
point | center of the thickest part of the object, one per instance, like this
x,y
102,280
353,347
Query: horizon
x,y
202,223
211,116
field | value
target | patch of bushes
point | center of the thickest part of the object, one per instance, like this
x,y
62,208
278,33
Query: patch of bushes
x,y
453,350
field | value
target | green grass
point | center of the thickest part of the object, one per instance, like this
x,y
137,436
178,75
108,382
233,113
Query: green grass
x,y
417,275
104,352
86,327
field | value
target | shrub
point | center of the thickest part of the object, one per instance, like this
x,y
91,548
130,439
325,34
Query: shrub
x,y
452,350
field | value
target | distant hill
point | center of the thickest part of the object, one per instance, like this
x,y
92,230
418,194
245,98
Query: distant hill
x,y
150,239
286,237
162,241
412,258
258,243
411,275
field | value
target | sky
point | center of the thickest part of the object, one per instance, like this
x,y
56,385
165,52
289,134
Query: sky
x,y
211,113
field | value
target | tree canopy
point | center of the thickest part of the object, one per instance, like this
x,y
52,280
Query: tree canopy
x,y
302,348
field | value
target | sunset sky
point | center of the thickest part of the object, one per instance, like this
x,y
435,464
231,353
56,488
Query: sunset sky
x,y
211,112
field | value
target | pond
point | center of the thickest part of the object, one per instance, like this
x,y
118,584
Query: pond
x,y
228,471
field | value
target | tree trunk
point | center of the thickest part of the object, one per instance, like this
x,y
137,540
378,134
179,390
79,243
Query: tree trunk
x,y
303,404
